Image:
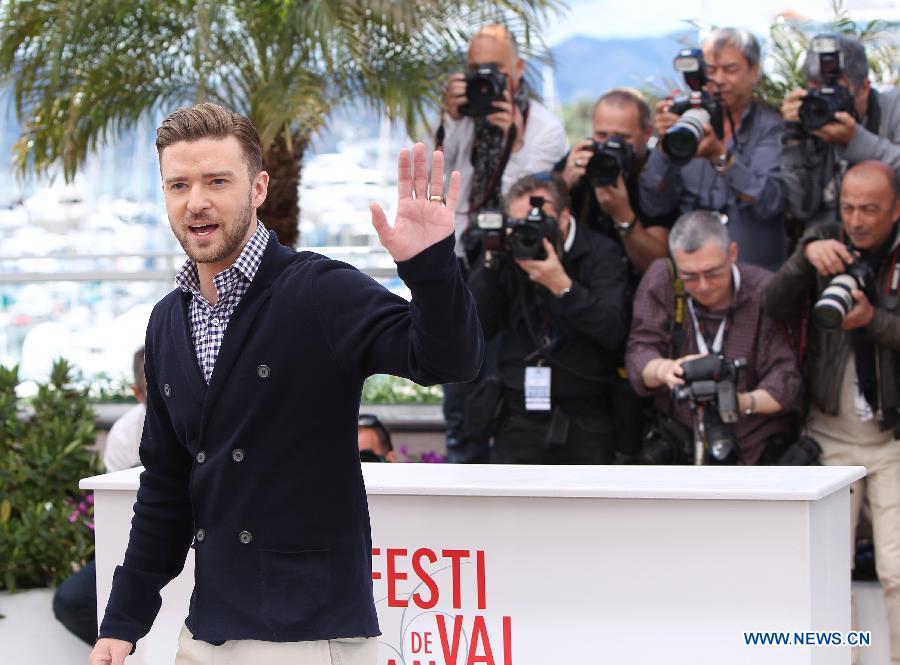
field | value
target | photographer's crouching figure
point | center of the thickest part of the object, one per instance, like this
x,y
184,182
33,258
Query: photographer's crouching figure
x,y
844,281
723,373
559,294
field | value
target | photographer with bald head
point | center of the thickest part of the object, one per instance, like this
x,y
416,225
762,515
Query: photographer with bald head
x,y
848,276
493,132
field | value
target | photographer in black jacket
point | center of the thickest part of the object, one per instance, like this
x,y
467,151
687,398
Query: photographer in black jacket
x,y
565,319
602,176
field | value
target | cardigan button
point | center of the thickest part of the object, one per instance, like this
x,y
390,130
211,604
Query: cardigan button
x,y
263,371
245,537
237,455
201,457
167,389
201,535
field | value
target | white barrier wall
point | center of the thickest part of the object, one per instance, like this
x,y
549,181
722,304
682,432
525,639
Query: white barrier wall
x,y
513,565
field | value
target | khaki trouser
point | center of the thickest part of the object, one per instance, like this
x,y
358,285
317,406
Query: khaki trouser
x,y
848,441
346,651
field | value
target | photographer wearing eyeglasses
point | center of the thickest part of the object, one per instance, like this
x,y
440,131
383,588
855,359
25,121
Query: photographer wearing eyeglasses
x,y
720,149
839,121
719,368
559,294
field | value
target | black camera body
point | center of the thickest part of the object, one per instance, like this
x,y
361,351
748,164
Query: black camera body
x,y
819,106
521,238
484,85
696,109
710,383
611,157
836,300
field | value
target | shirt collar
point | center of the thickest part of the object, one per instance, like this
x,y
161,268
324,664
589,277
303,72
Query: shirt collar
x,y
246,264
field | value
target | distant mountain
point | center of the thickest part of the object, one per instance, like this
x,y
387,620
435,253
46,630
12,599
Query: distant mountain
x,y
584,67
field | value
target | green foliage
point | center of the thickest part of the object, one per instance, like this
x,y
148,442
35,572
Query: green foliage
x,y
45,520
386,389
577,120
83,70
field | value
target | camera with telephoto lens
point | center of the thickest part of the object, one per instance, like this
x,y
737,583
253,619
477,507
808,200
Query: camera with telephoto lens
x,y
819,106
697,108
522,238
610,158
836,300
484,85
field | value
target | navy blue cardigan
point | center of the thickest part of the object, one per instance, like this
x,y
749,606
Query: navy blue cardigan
x,y
259,471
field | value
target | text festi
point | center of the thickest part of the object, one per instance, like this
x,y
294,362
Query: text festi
x,y
453,632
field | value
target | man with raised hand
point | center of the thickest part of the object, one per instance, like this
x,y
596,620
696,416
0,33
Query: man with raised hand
x,y
255,367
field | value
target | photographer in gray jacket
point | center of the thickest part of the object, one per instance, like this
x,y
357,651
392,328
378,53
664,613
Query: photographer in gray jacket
x,y
836,123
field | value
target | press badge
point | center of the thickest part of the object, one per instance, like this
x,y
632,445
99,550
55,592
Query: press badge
x,y
537,388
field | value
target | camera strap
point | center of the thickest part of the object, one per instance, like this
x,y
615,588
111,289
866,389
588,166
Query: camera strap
x,y
677,335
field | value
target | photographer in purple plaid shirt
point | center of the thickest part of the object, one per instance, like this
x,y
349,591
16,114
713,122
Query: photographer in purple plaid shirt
x,y
721,314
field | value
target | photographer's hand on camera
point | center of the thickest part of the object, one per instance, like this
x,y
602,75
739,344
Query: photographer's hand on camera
x,y
508,115
828,257
790,108
549,273
861,314
455,95
615,202
576,163
711,147
839,132
664,119
666,372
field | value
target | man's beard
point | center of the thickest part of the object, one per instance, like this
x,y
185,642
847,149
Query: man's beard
x,y
231,241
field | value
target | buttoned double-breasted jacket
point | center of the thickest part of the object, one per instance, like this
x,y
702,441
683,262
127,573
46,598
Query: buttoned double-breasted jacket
x,y
259,471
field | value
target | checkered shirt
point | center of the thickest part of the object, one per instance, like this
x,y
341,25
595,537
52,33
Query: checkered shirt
x,y
208,322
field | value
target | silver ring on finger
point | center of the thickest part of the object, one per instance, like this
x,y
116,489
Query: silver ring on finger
x,y
579,162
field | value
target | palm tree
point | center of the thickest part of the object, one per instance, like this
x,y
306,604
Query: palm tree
x,y
85,70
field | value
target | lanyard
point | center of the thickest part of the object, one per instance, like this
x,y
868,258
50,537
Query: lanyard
x,y
720,333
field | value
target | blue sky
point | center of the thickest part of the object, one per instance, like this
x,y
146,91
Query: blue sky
x,y
609,18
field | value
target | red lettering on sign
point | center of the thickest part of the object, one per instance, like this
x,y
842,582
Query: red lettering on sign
x,y
393,576
480,634
479,570
427,580
450,649
456,556
376,551
507,640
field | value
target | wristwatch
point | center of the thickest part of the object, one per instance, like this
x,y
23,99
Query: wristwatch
x,y
750,410
624,228
723,162
563,292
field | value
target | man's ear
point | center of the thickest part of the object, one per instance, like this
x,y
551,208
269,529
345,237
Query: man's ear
x,y
260,188
733,252
520,70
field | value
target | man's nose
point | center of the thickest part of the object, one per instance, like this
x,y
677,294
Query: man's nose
x,y
198,201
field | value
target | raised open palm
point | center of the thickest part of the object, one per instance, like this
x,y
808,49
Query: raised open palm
x,y
423,217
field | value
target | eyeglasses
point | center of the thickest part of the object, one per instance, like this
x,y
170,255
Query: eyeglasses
x,y
708,275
